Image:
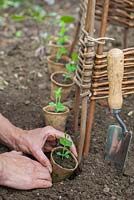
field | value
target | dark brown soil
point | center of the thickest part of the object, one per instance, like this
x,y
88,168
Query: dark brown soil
x,y
68,163
54,111
59,78
28,91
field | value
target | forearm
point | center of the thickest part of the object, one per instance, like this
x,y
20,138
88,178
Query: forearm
x,y
9,133
0,168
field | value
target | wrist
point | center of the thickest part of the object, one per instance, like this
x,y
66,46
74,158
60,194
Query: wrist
x,y
20,140
9,134
15,138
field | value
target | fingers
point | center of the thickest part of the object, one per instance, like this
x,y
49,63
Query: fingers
x,y
42,172
43,177
55,133
59,134
41,157
16,153
42,184
51,138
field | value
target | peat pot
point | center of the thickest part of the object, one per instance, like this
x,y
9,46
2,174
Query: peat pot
x,y
62,169
54,47
57,120
57,81
54,66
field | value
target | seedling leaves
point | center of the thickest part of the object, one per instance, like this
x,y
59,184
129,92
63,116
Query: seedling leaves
x,y
75,57
67,19
65,142
18,17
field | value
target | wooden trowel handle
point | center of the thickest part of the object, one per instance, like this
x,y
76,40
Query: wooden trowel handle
x,y
115,60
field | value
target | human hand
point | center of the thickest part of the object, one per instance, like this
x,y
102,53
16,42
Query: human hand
x,y
41,140
20,172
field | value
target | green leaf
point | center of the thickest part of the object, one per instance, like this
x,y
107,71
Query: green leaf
x,y
8,3
67,156
71,68
65,77
52,104
18,33
65,142
67,152
18,18
75,57
60,107
62,51
38,13
59,153
67,19
61,40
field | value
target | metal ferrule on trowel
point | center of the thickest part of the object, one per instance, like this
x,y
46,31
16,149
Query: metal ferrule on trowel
x,y
116,112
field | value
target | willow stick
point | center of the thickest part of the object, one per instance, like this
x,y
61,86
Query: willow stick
x,y
93,102
89,27
76,109
75,38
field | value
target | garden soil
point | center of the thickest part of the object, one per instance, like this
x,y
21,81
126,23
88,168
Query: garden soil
x,y
25,90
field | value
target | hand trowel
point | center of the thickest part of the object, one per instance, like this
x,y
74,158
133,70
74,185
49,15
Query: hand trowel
x,y
118,138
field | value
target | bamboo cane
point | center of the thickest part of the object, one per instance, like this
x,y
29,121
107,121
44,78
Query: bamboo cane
x,y
89,27
93,102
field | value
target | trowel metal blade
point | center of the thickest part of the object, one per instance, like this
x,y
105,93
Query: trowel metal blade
x,y
114,138
129,158
122,154
117,147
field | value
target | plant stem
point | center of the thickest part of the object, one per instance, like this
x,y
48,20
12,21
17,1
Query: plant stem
x,y
56,104
63,152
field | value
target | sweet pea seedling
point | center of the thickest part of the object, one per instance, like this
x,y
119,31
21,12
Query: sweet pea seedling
x,y
59,107
62,37
71,67
61,52
66,143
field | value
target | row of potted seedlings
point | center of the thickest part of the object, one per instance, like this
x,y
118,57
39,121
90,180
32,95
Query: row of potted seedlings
x,y
61,69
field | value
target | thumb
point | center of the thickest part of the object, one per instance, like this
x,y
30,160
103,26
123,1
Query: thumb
x,y
41,157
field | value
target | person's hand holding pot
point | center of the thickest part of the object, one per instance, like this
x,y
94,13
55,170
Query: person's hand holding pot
x,y
38,141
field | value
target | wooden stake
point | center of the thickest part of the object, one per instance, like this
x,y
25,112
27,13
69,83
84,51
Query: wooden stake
x,y
89,27
76,109
93,102
75,39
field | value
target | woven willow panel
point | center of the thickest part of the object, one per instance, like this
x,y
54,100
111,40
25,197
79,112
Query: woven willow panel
x,y
100,87
121,12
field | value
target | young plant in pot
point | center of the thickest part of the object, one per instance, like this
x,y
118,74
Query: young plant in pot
x,y
63,161
62,39
56,113
64,79
58,62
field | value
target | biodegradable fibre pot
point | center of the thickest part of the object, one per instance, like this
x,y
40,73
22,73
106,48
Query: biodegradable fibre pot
x,y
63,168
57,120
56,82
54,66
54,47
